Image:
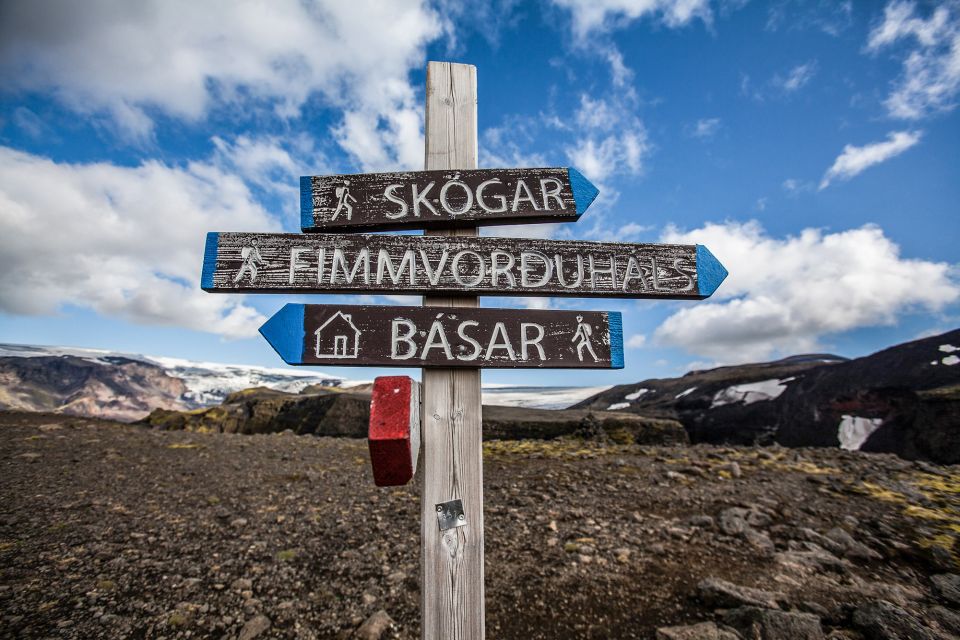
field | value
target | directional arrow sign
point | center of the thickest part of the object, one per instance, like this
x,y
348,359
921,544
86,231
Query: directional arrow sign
x,y
442,199
332,263
388,336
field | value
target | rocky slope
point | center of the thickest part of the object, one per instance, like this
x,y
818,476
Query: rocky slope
x,y
332,412
903,400
120,389
205,383
114,531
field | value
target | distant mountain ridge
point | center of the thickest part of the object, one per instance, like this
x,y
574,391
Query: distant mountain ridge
x,y
123,386
100,383
118,389
903,400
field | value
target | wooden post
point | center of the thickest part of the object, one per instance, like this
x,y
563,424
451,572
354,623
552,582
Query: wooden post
x,y
452,561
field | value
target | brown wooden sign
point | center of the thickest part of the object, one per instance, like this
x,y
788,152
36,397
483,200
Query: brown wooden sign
x,y
339,263
390,336
443,199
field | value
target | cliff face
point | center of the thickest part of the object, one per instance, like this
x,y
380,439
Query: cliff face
x,y
121,389
325,412
903,400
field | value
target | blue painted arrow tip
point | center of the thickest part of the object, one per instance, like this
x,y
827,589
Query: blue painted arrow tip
x,y
615,322
584,193
209,260
284,332
306,204
710,273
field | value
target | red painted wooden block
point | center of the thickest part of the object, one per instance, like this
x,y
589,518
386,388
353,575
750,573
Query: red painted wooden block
x,y
394,435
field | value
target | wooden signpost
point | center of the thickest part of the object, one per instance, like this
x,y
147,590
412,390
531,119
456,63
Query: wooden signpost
x,y
449,337
443,199
390,336
344,263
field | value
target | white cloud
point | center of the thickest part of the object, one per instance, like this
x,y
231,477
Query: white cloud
x,y
511,144
829,16
181,58
798,77
795,187
931,70
783,295
600,157
636,341
271,163
854,160
706,128
592,16
621,73
531,302
124,241
612,140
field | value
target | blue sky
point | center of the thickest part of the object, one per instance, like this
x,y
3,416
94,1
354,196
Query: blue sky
x,y
812,146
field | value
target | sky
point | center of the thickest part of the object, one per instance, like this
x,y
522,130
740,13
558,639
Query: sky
x,y
812,146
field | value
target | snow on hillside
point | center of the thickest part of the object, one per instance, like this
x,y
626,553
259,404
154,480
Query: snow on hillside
x,y
537,397
208,383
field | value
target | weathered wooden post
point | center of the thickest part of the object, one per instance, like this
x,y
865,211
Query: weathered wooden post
x,y
449,336
452,559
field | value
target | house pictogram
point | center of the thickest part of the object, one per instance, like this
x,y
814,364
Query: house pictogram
x,y
338,337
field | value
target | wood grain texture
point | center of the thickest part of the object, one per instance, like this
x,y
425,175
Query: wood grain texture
x,y
432,264
442,199
452,597
396,336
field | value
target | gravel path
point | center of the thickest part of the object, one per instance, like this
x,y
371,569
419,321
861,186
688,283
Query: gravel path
x,y
113,531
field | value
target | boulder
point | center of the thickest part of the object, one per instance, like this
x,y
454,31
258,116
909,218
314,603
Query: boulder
x,y
374,627
721,594
884,621
254,627
754,623
701,631
947,587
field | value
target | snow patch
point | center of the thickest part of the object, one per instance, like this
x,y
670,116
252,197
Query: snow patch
x,y
947,360
537,397
854,431
636,394
208,383
750,392
684,393
618,405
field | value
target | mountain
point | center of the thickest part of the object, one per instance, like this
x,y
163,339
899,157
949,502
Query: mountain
x,y
903,400
117,389
206,384
123,386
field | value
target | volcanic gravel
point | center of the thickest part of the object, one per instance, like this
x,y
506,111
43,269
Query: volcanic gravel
x,y
116,531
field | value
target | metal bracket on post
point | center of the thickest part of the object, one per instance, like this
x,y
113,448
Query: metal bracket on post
x,y
450,514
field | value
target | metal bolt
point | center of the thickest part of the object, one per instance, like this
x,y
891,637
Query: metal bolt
x,y
436,416
461,517
439,509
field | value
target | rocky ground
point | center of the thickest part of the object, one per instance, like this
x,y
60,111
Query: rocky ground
x,y
118,531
